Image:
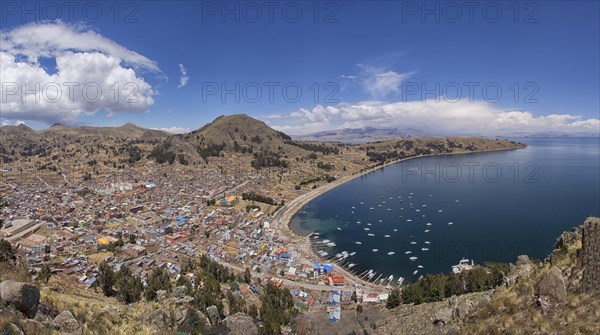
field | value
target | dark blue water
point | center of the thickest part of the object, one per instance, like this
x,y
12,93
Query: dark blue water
x,y
509,203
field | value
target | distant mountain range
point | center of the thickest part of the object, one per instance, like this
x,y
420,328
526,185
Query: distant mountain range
x,y
361,135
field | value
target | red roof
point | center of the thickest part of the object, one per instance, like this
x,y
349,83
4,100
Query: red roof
x,y
337,279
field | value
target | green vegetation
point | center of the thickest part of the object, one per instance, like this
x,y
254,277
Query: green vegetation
x,y
267,159
258,197
439,286
276,310
129,287
7,253
157,280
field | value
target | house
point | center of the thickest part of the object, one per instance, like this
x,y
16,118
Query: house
x,y
371,297
336,280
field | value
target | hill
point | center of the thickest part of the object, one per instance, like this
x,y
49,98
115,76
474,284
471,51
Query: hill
x,y
361,135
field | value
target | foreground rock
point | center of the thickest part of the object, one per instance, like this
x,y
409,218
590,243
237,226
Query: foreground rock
x,y
240,324
23,296
551,289
67,323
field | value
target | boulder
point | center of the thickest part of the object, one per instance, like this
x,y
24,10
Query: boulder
x,y
12,329
443,315
483,301
157,318
23,296
552,287
33,327
180,291
67,323
161,295
463,307
213,315
240,324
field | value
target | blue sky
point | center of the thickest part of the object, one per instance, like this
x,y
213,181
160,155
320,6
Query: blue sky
x,y
381,64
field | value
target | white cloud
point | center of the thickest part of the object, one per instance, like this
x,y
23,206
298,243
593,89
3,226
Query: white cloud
x,y
379,82
460,117
174,130
183,79
92,72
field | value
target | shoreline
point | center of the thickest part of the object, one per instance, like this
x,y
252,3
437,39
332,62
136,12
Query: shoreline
x,y
285,215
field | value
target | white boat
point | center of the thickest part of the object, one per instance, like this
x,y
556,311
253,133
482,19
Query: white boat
x,y
371,275
424,249
423,205
414,258
375,250
338,228
427,242
370,234
362,203
456,201
395,229
317,236
351,265
371,208
325,241
408,220
408,252
391,253
358,222
352,253
427,230
413,242
428,223
450,223
420,266
338,255
400,280
417,210
358,242
353,207
386,236
439,211
366,229
415,272
331,244
391,277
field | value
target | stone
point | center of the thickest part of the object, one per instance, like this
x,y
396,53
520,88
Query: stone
x,y
463,308
552,287
180,291
67,322
33,327
161,295
483,301
523,260
240,324
23,296
12,329
213,315
157,318
443,315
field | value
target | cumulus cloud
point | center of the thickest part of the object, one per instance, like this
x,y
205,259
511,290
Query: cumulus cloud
x,y
380,83
183,79
462,117
174,130
92,73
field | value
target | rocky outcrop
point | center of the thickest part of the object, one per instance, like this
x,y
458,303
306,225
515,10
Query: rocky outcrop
x,y
213,315
240,324
443,315
23,296
67,323
551,289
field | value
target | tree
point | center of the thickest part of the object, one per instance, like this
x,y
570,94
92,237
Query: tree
x,y
7,253
253,311
129,287
393,299
44,274
157,280
247,276
106,278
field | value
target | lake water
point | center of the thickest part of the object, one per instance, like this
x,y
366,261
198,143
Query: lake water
x,y
501,205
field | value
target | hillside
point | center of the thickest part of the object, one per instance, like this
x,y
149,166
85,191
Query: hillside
x,y
360,135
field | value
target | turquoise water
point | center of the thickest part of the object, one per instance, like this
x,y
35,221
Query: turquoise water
x,y
502,204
